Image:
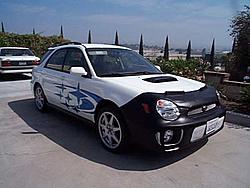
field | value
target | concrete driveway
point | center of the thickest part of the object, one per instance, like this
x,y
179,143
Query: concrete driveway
x,y
55,150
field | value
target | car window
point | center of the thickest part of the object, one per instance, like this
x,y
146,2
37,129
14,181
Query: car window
x,y
46,55
74,58
16,52
56,60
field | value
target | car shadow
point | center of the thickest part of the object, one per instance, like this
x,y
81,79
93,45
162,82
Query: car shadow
x,y
82,140
14,77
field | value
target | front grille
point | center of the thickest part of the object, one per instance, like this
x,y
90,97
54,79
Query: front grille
x,y
201,109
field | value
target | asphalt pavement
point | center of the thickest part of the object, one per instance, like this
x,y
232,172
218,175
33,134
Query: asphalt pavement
x,y
52,149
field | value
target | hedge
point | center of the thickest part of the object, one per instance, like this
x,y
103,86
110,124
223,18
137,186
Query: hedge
x,y
37,43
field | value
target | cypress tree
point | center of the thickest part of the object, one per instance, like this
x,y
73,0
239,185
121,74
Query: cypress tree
x,y
203,53
3,31
89,37
116,38
188,56
61,34
33,32
141,46
166,50
212,54
233,47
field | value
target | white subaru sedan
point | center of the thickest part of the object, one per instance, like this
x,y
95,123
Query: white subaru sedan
x,y
126,97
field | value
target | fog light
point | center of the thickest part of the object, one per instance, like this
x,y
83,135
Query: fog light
x,y
168,135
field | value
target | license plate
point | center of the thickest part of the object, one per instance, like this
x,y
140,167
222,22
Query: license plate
x,y
214,125
209,127
22,63
198,133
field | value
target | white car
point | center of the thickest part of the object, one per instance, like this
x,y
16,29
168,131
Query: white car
x,y
17,60
126,97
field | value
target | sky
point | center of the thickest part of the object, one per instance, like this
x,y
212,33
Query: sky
x,y
197,20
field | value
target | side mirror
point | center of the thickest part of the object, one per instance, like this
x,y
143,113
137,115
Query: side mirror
x,y
158,67
78,71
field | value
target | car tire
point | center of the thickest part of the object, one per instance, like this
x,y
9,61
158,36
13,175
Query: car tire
x,y
112,130
40,99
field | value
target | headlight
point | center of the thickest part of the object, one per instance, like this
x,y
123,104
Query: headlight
x,y
167,110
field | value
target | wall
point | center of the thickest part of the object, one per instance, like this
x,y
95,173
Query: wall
x,y
231,89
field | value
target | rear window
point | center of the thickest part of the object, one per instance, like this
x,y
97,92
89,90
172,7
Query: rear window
x,y
16,52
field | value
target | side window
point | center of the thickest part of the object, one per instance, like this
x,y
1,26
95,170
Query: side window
x,y
56,60
74,58
46,55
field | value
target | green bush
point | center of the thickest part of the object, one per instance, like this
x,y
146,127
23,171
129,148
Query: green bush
x,y
191,68
37,43
245,95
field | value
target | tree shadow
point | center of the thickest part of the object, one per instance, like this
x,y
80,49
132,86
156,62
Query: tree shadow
x,y
83,141
14,77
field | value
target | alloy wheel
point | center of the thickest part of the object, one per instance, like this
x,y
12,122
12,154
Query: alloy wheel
x,y
39,98
110,130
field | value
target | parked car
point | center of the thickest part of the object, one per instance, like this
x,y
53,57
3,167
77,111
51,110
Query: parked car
x,y
17,60
126,97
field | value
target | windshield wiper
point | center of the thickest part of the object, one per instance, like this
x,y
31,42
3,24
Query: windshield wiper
x,y
129,73
142,73
113,74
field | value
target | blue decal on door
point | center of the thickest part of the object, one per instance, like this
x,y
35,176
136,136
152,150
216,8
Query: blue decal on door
x,y
85,101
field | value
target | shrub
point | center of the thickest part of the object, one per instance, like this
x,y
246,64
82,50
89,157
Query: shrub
x,y
245,95
191,68
37,43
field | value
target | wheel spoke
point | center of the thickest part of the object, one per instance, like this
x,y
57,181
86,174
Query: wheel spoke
x,y
111,120
110,139
105,119
103,126
104,133
116,129
115,138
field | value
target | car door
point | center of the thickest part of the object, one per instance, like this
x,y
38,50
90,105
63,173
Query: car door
x,y
78,97
53,76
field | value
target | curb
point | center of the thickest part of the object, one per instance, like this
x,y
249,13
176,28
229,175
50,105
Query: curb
x,y
237,118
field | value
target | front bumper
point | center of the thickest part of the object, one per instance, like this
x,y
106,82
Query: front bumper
x,y
147,129
145,132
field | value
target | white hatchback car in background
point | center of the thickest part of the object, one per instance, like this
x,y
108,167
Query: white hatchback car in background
x,y
17,60
126,97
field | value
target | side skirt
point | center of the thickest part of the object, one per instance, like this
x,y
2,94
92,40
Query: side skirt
x,y
90,123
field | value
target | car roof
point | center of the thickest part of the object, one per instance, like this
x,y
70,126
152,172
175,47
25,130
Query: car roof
x,y
89,46
17,48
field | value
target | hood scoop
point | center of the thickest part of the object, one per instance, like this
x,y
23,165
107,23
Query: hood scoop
x,y
160,79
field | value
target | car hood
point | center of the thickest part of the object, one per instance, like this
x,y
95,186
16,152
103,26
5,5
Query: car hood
x,y
159,83
19,58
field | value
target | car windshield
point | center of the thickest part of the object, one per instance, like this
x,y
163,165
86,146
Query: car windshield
x,y
119,62
16,52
